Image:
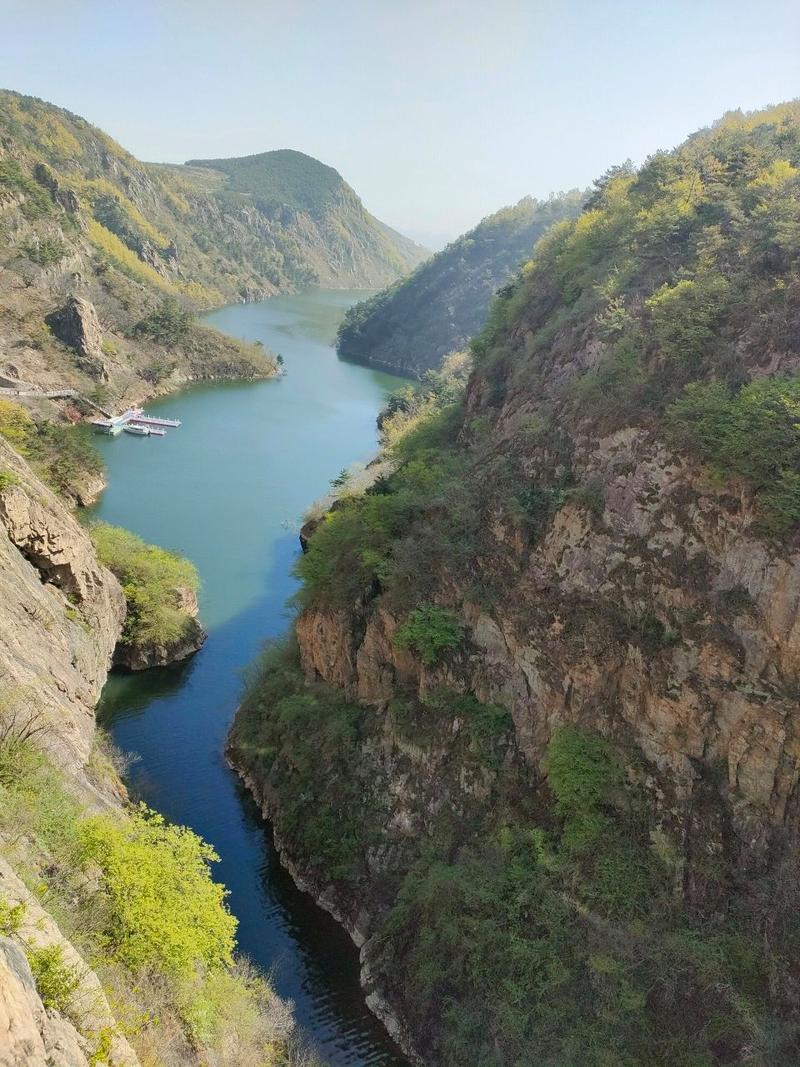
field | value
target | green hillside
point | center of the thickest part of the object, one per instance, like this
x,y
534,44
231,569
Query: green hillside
x,y
147,245
410,326
282,177
554,758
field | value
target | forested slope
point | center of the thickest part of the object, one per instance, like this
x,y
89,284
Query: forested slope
x,y
411,326
538,739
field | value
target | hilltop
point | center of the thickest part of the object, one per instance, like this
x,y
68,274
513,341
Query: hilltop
x,y
147,245
414,323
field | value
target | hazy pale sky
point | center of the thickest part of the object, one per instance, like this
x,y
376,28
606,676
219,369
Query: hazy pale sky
x,y
437,112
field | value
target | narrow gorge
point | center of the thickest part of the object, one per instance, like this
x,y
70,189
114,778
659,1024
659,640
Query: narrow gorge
x,y
534,737
370,722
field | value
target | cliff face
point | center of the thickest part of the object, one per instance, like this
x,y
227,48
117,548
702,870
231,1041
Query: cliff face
x,y
567,646
61,613
33,1034
411,326
566,628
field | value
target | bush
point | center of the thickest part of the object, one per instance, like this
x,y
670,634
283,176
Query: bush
x,y
170,323
302,736
752,434
37,201
46,250
430,631
56,981
164,910
151,578
134,890
11,917
62,455
582,771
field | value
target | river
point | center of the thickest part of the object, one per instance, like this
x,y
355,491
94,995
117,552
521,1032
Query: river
x,y
228,490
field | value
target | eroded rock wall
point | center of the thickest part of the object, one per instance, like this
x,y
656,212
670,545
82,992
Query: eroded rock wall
x,y
61,615
663,621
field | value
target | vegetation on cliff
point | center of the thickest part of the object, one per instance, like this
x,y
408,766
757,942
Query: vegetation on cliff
x,y
521,913
155,582
63,455
412,325
612,881
136,897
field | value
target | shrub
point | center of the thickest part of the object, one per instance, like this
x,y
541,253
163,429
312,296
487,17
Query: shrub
x,y
56,980
430,631
37,201
62,455
582,771
685,316
7,480
46,250
752,434
150,578
65,455
16,425
169,323
302,737
11,917
20,722
165,911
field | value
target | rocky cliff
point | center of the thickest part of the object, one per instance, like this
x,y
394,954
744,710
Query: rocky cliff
x,y
61,613
538,744
70,996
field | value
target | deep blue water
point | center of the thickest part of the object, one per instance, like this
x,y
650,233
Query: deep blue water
x,y
228,490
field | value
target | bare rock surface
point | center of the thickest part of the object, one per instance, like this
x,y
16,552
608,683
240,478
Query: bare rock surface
x,y
77,325
61,614
30,1034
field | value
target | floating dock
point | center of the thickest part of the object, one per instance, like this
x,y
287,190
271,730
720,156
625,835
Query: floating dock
x,y
132,418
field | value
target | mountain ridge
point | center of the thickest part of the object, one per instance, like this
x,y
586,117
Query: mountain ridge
x,y
410,326
82,219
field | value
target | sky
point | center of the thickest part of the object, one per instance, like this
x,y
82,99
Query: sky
x,y
437,112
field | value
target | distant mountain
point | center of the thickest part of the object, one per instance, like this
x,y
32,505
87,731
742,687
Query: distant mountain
x,y
411,325
82,220
309,211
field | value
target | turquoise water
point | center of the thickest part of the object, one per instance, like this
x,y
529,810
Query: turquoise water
x,y
228,490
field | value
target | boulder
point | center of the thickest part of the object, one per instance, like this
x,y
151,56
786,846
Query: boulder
x,y
77,325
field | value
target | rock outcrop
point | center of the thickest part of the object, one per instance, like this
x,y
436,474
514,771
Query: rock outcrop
x,y
61,613
31,1035
138,656
77,325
